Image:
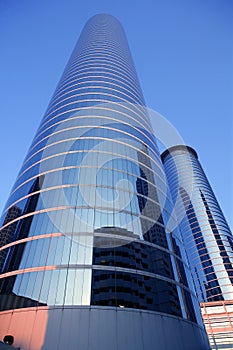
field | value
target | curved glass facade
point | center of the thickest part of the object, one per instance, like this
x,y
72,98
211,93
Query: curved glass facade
x,y
207,237
208,241
87,219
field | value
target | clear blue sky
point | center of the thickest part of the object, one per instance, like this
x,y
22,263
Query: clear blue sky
x,y
183,52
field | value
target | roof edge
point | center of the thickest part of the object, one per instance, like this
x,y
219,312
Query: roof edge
x,y
188,149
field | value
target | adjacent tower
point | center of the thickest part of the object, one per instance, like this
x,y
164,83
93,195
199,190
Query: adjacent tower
x,y
88,257
208,241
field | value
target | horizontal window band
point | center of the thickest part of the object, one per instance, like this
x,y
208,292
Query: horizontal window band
x,y
83,75
96,267
152,201
94,234
70,168
88,83
30,239
47,210
104,79
92,90
89,68
103,139
121,156
102,67
108,56
103,97
89,90
99,62
105,118
76,110
105,105
94,128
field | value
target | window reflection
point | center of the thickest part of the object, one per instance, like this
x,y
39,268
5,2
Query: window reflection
x,y
8,233
47,288
134,291
15,253
113,247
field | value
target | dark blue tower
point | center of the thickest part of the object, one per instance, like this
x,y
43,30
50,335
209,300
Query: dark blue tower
x,y
208,241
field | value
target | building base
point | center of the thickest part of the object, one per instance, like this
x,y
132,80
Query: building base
x,y
99,328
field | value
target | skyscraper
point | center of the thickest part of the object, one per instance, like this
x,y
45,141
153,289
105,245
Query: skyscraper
x,y
92,261
208,241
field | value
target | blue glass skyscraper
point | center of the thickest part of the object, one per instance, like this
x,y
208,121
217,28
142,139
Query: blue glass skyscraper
x,y
87,256
208,241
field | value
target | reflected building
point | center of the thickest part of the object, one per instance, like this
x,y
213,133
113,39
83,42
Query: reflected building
x,y
14,250
92,245
130,283
148,201
150,206
208,241
7,234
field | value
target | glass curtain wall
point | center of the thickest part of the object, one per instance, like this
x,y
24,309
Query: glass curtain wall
x,y
86,222
208,241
